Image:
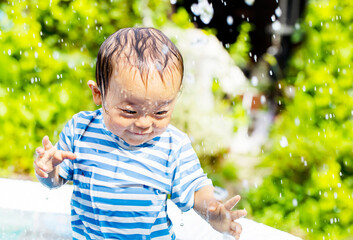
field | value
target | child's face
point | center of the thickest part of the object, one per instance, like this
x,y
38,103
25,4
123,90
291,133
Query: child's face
x,y
137,113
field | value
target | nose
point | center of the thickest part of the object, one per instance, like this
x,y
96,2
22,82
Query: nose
x,y
143,122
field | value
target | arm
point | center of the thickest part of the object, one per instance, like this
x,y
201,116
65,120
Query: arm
x,y
47,164
219,215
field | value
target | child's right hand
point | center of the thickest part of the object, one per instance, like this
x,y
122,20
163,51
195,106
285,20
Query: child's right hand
x,y
49,157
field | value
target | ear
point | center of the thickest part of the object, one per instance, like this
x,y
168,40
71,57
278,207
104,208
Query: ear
x,y
97,96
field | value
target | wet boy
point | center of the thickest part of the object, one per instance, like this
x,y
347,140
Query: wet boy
x,y
125,159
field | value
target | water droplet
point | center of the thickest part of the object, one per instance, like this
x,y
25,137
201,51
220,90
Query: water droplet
x,y
263,99
297,121
284,142
56,55
255,81
249,2
295,202
165,49
273,18
230,20
276,26
278,12
158,66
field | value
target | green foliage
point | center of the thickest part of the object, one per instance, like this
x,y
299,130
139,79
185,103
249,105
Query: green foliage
x,y
47,54
48,51
309,191
241,48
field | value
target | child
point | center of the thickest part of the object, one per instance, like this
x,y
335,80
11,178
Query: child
x,y
125,159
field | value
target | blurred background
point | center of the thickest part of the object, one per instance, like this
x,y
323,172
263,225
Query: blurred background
x,y
267,98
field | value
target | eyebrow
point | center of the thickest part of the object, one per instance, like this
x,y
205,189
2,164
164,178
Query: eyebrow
x,y
159,104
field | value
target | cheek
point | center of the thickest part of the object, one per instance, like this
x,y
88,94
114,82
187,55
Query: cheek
x,y
163,123
116,123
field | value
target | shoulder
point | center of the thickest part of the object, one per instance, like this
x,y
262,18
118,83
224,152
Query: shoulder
x,y
89,115
86,117
81,121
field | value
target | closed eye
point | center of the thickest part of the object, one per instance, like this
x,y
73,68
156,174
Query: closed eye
x,y
128,111
161,113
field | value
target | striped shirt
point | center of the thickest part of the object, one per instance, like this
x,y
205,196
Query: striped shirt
x,y
120,191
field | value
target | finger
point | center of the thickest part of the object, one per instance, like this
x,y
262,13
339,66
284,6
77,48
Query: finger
x,y
40,164
236,227
40,151
232,202
238,214
46,143
212,206
41,173
50,153
66,155
235,235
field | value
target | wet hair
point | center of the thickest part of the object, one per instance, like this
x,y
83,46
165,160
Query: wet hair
x,y
141,48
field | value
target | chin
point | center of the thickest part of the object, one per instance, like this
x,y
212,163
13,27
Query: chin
x,y
136,143
138,140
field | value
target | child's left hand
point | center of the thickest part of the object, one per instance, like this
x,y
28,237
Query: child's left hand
x,y
221,217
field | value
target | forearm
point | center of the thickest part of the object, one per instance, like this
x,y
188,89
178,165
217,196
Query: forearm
x,y
202,200
53,180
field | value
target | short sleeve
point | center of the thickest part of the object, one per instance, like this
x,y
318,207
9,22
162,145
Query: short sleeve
x,y
188,176
66,143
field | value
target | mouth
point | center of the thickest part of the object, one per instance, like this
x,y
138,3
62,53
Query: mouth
x,y
140,133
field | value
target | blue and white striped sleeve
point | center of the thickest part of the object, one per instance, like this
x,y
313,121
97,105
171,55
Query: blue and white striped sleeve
x,y
188,177
66,143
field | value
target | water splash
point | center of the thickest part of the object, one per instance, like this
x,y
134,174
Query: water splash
x,y
203,9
